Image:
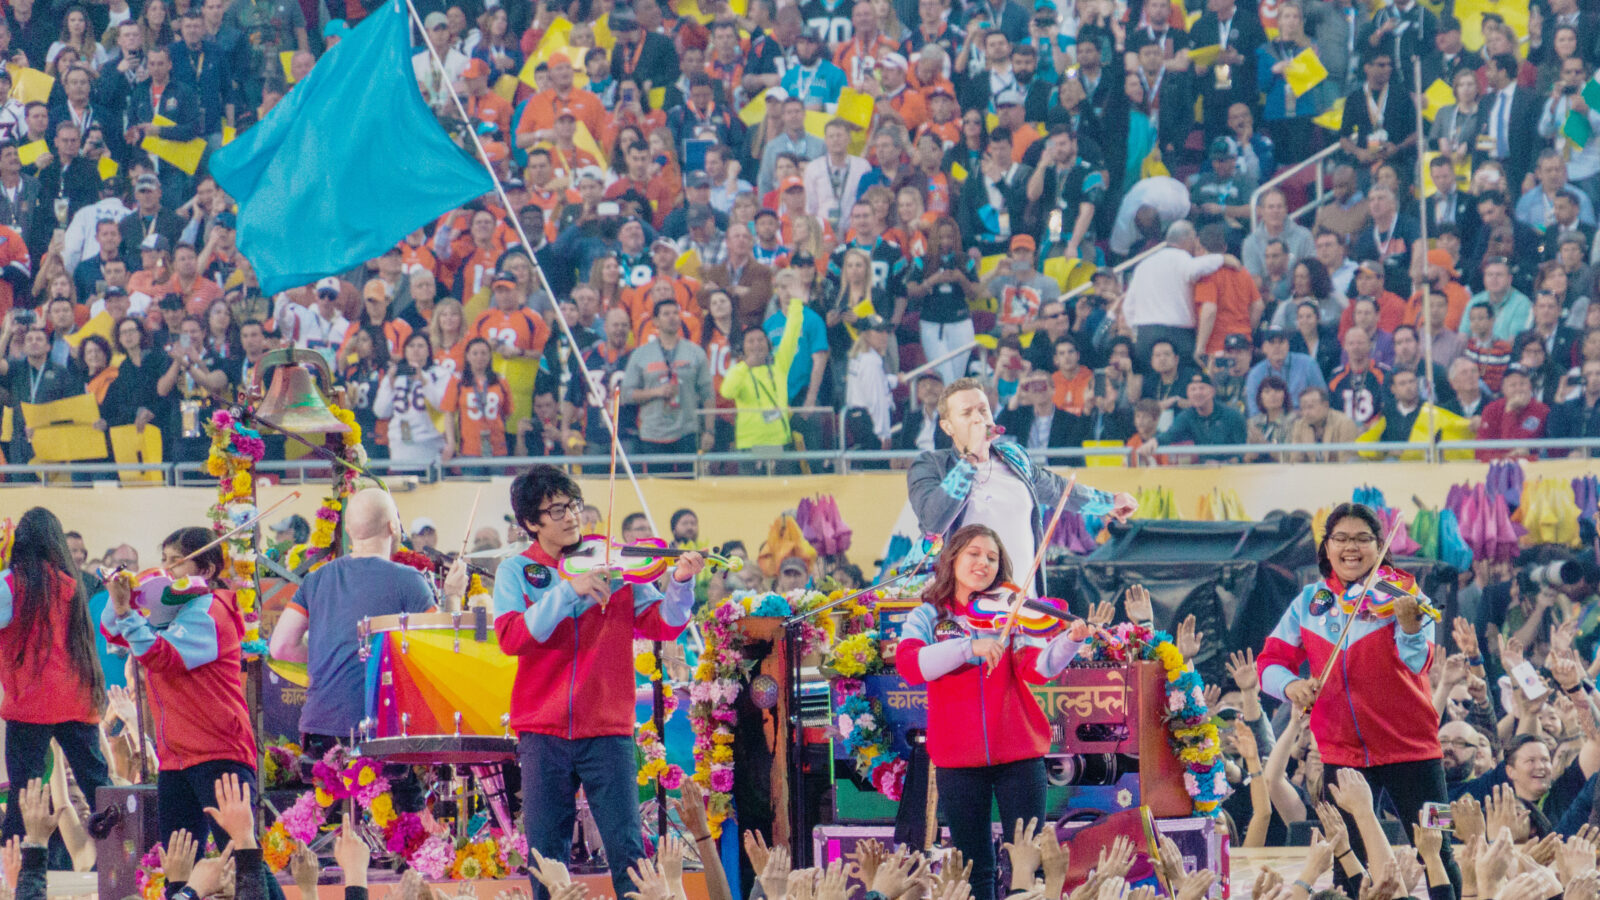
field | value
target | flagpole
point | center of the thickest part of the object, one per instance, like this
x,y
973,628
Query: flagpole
x,y
1427,285
516,223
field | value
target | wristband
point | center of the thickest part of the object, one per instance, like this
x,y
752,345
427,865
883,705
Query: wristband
x,y
1347,852
1475,662
1576,689
701,837
1301,883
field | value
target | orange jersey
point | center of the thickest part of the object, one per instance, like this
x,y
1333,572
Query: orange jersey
x,y
1021,140
913,110
489,107
521,328
13,254
418,258
948,132
395,333
541,111
481,410
452,360
691,329
552,201
475,265
860,60
566,163
1072,394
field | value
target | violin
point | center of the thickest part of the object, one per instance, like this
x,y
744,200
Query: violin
x,y
156,594
1378,603
991,611
640,562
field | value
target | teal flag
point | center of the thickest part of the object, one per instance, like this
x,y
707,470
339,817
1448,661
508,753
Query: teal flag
x,y
347,164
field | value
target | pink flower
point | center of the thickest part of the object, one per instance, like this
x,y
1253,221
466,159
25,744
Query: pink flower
x,y
304,819
722,779
432,860
672,778
222,419
405,834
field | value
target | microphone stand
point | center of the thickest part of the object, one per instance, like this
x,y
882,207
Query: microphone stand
x,y
791,648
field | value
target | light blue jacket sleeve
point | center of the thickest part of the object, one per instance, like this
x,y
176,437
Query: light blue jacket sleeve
x,y
192,634
677,604
542,608
1415,649
7,601
1056,655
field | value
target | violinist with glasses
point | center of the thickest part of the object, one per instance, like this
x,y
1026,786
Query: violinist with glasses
x,y
572,700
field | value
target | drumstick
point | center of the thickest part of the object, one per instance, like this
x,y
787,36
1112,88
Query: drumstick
x,y
472,515
1038,560
1372,578
293,495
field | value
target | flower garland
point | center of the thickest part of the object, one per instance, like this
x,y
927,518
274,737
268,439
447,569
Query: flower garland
x,y
717,682
234,452
282,764
655,768
1191,732
864,731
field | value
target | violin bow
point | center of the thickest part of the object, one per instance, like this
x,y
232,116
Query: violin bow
x,y
293,495
1038,560
472,516
1372,579
611,488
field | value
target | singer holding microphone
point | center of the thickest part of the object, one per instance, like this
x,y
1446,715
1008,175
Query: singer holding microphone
x,y
983,479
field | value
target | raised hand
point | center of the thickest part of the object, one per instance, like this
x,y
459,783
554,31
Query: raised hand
x,y
834,883
1053,856
898,875
38,821
177,857
1334,827
572,890
1267,882
1101,614
11,863
1503,810
1429,841
1466,637
1319,858
307,871
803,884
211,875
953,890
1024,853
691,809
755,847
1352,792
1576,856
1197,885
1494,863
1188,639
774,875
1466,815
669,856
955,868
868,855
352,855
1136,602
1242,669
1116,860
552,873
650,885
233,812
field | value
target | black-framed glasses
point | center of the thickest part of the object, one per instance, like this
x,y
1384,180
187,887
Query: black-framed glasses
x,y
562,510
1364,540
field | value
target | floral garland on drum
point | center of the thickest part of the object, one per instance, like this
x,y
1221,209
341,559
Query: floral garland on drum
x,y
1190,730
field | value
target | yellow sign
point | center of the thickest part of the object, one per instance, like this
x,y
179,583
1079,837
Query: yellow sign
x,y
63,431
755,111
1333,119
286,59
506,88
228,134
1305,72
29,153
1439,95
585,141
132,444
183,154
28,85
1205,56
658,97
108,168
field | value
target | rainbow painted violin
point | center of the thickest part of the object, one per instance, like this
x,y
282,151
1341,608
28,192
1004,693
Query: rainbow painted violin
x,y
1040,617
1378,603
640,562
156,594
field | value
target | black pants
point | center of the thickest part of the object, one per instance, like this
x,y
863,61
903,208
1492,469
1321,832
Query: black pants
x,y
1409,785
182,796
965,796
28,755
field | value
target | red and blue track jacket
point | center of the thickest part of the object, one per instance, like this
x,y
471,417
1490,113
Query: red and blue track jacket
x,y
197,704
978,717
1377,707
575,659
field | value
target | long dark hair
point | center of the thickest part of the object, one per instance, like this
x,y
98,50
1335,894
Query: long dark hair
x,y
1340,513
188,540
490,376
40,557
941,589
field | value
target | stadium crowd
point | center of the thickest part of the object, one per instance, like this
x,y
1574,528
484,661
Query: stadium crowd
x,y
760,220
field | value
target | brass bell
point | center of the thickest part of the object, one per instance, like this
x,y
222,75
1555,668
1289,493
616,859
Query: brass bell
x,y
296,403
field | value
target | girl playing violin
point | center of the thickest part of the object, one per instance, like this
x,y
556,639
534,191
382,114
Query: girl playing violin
x,y
1375,715
986,734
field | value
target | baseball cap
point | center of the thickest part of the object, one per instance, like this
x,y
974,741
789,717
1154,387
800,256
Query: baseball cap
x,y
1007,97
155,242
566,112
226,220
1020,241
815,34
1200,378
147,182
608,208
590,172
776,95
1440,259
514,183
873,322
893,61
477,68
505,278
374,290
116,290
559,57
790,183
1236,342
1274,334
421,524
940,88
699,180
1220,149
329,284
435,20
664,241
793,564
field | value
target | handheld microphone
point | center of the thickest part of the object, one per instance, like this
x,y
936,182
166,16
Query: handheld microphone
x,y
996,430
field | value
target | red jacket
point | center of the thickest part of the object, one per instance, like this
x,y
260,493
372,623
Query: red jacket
x,y
574,659
197,707
46,694
975,717
1377,707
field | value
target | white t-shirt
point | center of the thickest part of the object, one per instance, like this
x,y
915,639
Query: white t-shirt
x,y
310,331
409,402
1001,501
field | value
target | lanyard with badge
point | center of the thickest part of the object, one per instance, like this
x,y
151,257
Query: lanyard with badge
x,y
768,392
35,380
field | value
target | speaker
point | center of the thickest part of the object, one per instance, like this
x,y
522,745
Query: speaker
x,y
124,827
